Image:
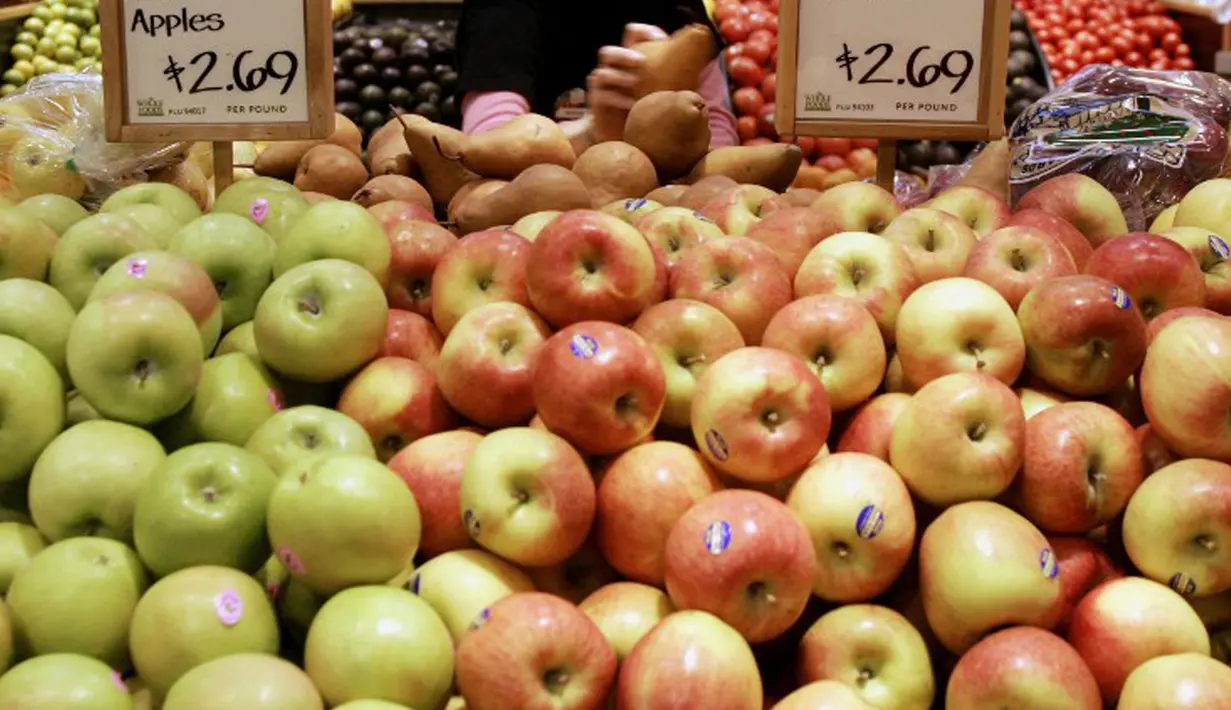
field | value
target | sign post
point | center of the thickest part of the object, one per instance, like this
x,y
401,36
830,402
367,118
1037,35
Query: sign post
x,y
892,69
217,70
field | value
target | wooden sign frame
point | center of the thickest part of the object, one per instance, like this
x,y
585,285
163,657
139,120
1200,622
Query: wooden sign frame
x,y
318,68
989,125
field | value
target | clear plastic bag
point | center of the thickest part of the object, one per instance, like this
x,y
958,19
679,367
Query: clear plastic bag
x,y
1147,136
53,139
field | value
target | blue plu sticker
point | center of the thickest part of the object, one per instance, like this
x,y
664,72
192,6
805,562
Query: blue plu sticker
x,y
718,537
1049,564
583,346
634,204
1219,247
1184,585
415,580
472,523
870,523
701,217
1121,298
481,620
717,445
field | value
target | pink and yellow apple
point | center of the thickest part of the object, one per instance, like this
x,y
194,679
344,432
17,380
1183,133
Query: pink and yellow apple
x,y
739,277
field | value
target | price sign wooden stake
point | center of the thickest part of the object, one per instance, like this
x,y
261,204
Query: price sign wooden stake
x,y
892,69
217,70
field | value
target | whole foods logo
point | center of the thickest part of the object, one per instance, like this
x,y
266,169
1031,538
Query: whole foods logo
x,y
817,101
150,108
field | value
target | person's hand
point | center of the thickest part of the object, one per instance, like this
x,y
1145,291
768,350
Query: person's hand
x,y
612,87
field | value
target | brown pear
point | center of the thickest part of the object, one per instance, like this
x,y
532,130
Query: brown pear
x,y
331,170
477,188
773,166
430,142
281,160
700,193
386,188
990,169
392,157
187,177
615,170
667,195
505,151
538,189
672,128
676,63
346,134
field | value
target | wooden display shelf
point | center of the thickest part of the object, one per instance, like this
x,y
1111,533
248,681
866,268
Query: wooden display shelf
x,y
17,12
407,2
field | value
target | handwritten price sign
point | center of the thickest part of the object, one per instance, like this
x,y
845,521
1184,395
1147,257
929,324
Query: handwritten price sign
x,y
219,69
892,68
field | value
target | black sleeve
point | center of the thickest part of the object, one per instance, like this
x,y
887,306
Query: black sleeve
x,y
676,14
498,45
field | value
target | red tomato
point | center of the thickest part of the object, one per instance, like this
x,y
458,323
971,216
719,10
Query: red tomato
x,y
745,71
1069,66
1087,40
834,146
769,87
747,101
1156,54
1183,50
1086,58
754,6
1075,26
1044,35
746,127
757,20
1120,45
733,51
1133,59
870,143
772,6
1160,65
1184,63
758,52
1170,41
765,122
771,24
763,35
761,140
807,146
1143,42
1104,55
1054,18
724,9
735,29
831,162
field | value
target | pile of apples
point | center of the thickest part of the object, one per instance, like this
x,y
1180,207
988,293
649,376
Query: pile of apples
x,y
731,449
1134,33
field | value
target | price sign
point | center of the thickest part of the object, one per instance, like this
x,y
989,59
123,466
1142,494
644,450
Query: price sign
x,y
892,68
219,70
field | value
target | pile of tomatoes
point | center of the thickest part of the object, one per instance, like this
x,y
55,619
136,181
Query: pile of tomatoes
x,y
1077,33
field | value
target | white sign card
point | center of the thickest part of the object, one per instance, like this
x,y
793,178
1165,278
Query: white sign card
x,y
225,61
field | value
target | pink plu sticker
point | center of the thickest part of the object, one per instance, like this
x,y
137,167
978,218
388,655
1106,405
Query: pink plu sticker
x,y
137,267
230,607
259,210
118,681
293,564
275,399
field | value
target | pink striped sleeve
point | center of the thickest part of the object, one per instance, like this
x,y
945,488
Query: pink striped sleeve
x,y
713,89
483,111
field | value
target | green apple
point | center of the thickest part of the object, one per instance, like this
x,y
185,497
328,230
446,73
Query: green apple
x,y
237,255
382,643
14,507
321,321
240,339
26,245
196,615
31,406
371,705
250,681
297,608
78,596
19,543
460,584
172,274
142,696
336,229
338,521
87,480
135,356
205,506
56,211
41,162
89,248
63,681
6,638
156,221
273,205
235,397
175,201
38,314
78,409
300,432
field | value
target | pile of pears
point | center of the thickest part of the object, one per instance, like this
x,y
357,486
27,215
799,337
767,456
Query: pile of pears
x,y
59,36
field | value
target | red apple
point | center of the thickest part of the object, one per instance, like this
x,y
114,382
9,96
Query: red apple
x,y
416,248
735,210
1083,337
1014,260
1212,253
535,650
1157,273
871,429
744,557
858,207
487,363
978,208
1084,565
600,386
1082,464
393,212
672,231
625,612
587,265
1167,317
1073,240
1186,387
760,415
839,340
413,337
485,267
432,468
1022,667
938,243
739,277
642,493
1154,453
791,233
396,401
1082,202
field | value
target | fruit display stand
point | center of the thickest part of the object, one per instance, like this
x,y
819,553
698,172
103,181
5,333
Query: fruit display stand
x,y
1202,31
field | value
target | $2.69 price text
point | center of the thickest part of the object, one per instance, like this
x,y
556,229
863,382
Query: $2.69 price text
x,y
866,68
246,75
